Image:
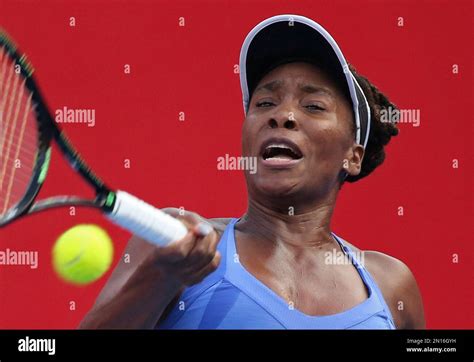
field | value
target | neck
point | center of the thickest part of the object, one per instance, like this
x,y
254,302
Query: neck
x,y
309,227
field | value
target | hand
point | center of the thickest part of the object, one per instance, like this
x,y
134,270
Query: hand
x,y
191,259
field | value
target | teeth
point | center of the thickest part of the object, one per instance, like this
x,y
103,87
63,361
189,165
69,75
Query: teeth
x,y
271,151
279,145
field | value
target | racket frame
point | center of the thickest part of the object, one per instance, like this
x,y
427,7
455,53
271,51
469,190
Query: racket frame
x,y
48,131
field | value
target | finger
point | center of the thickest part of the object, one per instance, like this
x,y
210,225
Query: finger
x,y
203,252
215,238
192,220
187,216
172,211
203,228
198,276
177,250
195,270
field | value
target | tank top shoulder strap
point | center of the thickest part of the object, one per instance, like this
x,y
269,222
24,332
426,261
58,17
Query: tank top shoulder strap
x,y
358,260
194,291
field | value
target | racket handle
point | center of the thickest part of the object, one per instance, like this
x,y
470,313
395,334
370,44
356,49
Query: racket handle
x,y
145,220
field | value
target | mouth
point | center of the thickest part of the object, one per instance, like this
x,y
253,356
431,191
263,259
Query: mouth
x,y
280,153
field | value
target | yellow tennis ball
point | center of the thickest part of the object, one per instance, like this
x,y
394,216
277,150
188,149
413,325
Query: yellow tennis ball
x,y
82,254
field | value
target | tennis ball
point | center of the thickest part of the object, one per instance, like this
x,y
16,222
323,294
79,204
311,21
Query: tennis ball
x,y
82,254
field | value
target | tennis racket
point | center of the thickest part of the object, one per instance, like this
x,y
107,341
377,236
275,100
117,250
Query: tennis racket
x,y
27,132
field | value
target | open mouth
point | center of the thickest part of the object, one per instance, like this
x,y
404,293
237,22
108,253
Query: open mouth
x,y
283,149
280,152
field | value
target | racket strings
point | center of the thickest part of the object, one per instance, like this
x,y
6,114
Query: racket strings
x,y
18,133
27,150
20,178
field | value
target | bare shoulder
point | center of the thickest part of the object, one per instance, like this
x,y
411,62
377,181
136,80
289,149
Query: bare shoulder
x,y
220,223
399,288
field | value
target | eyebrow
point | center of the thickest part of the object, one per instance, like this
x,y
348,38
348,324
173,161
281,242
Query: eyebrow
x,y
305,87
270,86
309,88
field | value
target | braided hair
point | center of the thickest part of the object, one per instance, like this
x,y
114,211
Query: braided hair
x,y
380,131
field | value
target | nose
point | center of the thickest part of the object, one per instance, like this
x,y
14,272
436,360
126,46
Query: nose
x,y
284,118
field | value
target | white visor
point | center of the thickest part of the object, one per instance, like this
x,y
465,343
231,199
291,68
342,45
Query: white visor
x,y
297,37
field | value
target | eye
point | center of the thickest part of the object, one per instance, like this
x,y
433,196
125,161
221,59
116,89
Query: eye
x,y
314,108
264,104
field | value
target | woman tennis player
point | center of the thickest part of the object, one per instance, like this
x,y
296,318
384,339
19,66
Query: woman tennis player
x,y
314,124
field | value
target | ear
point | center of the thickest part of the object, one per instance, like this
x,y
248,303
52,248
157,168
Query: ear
x,y
352,164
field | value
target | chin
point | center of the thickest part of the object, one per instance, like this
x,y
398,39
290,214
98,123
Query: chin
x,y
276,187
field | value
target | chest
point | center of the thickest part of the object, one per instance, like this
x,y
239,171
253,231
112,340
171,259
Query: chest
x,y
313,284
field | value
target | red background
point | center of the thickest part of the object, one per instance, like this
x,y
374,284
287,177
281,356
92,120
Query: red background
x,y
191,69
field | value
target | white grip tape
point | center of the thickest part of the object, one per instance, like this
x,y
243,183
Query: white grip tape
x,y
145,220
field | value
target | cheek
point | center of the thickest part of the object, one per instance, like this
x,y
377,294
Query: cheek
x,y
329,141
334,132
249,128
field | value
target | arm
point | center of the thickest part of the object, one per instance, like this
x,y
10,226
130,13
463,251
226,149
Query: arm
x,y
399,288
137,293
413,315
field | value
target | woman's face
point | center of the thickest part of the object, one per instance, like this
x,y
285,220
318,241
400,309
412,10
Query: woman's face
x,y
300,127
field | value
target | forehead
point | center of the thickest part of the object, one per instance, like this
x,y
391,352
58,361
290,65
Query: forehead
x,y
301,74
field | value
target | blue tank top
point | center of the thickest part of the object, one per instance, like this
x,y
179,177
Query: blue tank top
x,y
232,298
